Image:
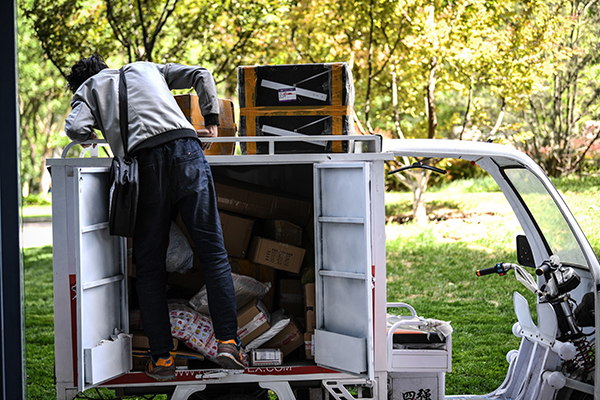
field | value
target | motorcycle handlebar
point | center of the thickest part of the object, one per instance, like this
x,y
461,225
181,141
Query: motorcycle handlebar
x,y
498,269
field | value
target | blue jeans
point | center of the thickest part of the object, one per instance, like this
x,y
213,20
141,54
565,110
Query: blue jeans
x,y
175,177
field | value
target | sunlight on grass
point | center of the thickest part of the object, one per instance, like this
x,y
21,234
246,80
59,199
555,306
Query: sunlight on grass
x,y
37,212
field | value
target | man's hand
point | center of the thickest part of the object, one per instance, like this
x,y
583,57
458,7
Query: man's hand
x,y
209,131
92,137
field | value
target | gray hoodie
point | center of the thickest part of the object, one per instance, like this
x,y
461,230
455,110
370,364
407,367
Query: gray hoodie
x,y
154,116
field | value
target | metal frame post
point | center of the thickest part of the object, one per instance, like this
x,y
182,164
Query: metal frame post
x,y
12,367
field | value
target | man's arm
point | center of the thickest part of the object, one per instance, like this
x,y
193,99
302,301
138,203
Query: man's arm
x,y
180,76
80,124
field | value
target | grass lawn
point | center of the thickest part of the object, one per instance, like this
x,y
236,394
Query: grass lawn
x,y
432,268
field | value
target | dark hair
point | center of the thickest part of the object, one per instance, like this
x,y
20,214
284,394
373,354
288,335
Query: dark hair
x,y
84,69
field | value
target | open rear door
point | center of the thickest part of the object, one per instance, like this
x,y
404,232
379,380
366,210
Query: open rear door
x,y
344,334
103,346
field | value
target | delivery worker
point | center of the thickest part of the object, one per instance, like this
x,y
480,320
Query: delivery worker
x,y
174,177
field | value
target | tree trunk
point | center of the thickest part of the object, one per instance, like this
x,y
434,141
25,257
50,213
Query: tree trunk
x,y
420,179
431,117
399,133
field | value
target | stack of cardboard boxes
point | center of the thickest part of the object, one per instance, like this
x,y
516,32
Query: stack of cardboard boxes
x,y
263,235
276,244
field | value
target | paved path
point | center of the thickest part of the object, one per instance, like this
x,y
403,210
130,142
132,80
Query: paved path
x,y
36,234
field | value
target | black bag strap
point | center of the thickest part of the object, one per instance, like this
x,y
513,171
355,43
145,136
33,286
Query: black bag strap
x,y
123,115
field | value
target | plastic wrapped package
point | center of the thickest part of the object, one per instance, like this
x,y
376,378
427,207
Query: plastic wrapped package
x,y
193,329
246,289
180,256
203,338
278,323
183,320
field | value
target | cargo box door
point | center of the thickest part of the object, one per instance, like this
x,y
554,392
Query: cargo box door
x,y
343,339
103,346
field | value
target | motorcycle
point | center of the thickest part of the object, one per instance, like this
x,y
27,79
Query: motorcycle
x,y
556,358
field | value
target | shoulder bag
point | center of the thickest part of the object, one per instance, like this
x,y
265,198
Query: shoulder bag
x,y
124,177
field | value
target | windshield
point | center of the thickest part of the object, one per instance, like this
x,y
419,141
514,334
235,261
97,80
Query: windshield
x,y
552,224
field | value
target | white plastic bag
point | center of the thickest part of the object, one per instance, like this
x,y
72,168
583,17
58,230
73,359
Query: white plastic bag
x,y
180,256
278,323
246,289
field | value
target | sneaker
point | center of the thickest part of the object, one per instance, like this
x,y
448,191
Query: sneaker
x,y
162,370
229,355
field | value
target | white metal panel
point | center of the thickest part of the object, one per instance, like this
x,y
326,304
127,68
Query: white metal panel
x,y
344,335
348,351
103,352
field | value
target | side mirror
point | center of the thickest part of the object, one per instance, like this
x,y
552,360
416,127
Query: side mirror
x,y
524,254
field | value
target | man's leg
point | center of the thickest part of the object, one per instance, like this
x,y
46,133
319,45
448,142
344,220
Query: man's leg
x,y
196,202
150,244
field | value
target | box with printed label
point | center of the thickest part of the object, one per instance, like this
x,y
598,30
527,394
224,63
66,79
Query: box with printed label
x,y
253,319
236,233
227,127
276,254
295,85
296,100
266,357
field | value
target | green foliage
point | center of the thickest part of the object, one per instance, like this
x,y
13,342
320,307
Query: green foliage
x,y
561,129
43,106
42,199
39,322
218,35
577,183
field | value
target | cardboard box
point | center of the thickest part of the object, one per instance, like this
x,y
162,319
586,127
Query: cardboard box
x,y
308,345
288,340
283,231
309,125
277,255
236,233
309,307
140,341
291,297
261,202
227,127
266,357
261,273
288,100
253,319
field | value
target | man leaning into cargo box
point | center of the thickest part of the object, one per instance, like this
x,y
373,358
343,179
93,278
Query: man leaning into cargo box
x,y
174,176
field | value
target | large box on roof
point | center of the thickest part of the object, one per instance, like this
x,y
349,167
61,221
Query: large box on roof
x,y
292,100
